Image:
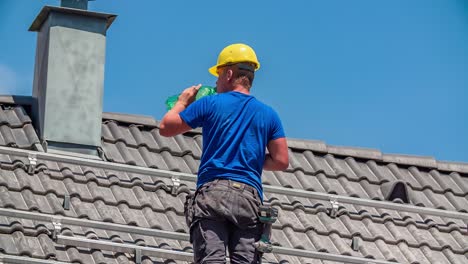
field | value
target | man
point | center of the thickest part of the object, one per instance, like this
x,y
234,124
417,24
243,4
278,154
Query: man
x,y
237,128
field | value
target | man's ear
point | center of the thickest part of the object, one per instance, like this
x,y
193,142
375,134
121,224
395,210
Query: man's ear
x,y
229,74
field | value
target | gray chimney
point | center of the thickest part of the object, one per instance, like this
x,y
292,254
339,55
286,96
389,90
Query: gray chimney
x,y
69,76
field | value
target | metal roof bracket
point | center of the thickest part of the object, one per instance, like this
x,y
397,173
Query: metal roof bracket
x,y
66,202
334,206
32,163
137,256
267,188
355,244
57,223
175,184
44,145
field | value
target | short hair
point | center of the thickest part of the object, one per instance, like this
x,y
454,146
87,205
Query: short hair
x,y
243,74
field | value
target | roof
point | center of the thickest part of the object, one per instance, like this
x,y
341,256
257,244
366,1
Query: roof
x,y
136,187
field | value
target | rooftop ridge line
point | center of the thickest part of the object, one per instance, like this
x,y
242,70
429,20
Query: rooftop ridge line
x,y
375,154
320,146
267,188
131,119
135,119
302,144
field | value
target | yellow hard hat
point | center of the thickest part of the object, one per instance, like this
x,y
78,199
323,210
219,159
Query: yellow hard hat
x,y
235,53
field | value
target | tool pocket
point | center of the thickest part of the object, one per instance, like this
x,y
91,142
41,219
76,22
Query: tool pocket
x,y
247,211
189,209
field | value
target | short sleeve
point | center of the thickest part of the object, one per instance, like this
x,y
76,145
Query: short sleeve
x,y
195,114
276,128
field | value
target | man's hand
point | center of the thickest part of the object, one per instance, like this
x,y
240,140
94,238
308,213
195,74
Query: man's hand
x,y
188,95
172,124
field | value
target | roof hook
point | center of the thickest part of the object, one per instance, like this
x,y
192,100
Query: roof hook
x,y
175,184
32,163
335,205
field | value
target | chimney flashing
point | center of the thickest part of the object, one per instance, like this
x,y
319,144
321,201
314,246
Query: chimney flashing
x,y
77,152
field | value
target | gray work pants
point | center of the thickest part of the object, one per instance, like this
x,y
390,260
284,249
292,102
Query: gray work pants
x,y
224,214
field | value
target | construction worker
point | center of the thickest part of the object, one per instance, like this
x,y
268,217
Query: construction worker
x,y
237,129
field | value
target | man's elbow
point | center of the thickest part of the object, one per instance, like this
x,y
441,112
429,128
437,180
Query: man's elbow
x,y
164,131
283,164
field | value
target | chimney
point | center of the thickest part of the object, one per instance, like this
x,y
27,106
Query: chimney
x,y
69,77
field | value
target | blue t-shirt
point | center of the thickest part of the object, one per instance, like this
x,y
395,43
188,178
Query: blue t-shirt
x,y
236,130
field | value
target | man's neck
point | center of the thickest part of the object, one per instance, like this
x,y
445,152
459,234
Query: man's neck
x,y
240,89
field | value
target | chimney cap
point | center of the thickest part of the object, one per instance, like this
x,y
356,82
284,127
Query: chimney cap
x,y
79,4
44,13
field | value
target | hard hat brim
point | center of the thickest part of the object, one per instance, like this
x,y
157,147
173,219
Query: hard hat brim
x,y
213,70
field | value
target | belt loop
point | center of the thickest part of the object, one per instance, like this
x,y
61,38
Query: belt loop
x,y
215,181
256,194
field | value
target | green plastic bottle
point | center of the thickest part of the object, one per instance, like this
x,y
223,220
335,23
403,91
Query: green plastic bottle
x,y
202,92
171,101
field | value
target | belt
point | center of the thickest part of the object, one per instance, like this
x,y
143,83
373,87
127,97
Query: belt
x,y
235,185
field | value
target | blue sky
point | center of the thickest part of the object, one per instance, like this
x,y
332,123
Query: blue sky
x,y
389,75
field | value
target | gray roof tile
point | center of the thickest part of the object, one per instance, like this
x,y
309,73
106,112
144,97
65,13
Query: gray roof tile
x,y
16,129
142,200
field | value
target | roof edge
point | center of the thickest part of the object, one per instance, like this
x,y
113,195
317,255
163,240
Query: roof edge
x,y
16,99
365,153
131,119
375,154
422,161
134,119
452,166
300,144
314,145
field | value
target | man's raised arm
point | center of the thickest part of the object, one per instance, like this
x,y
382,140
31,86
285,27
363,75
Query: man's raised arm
x,y
172,124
